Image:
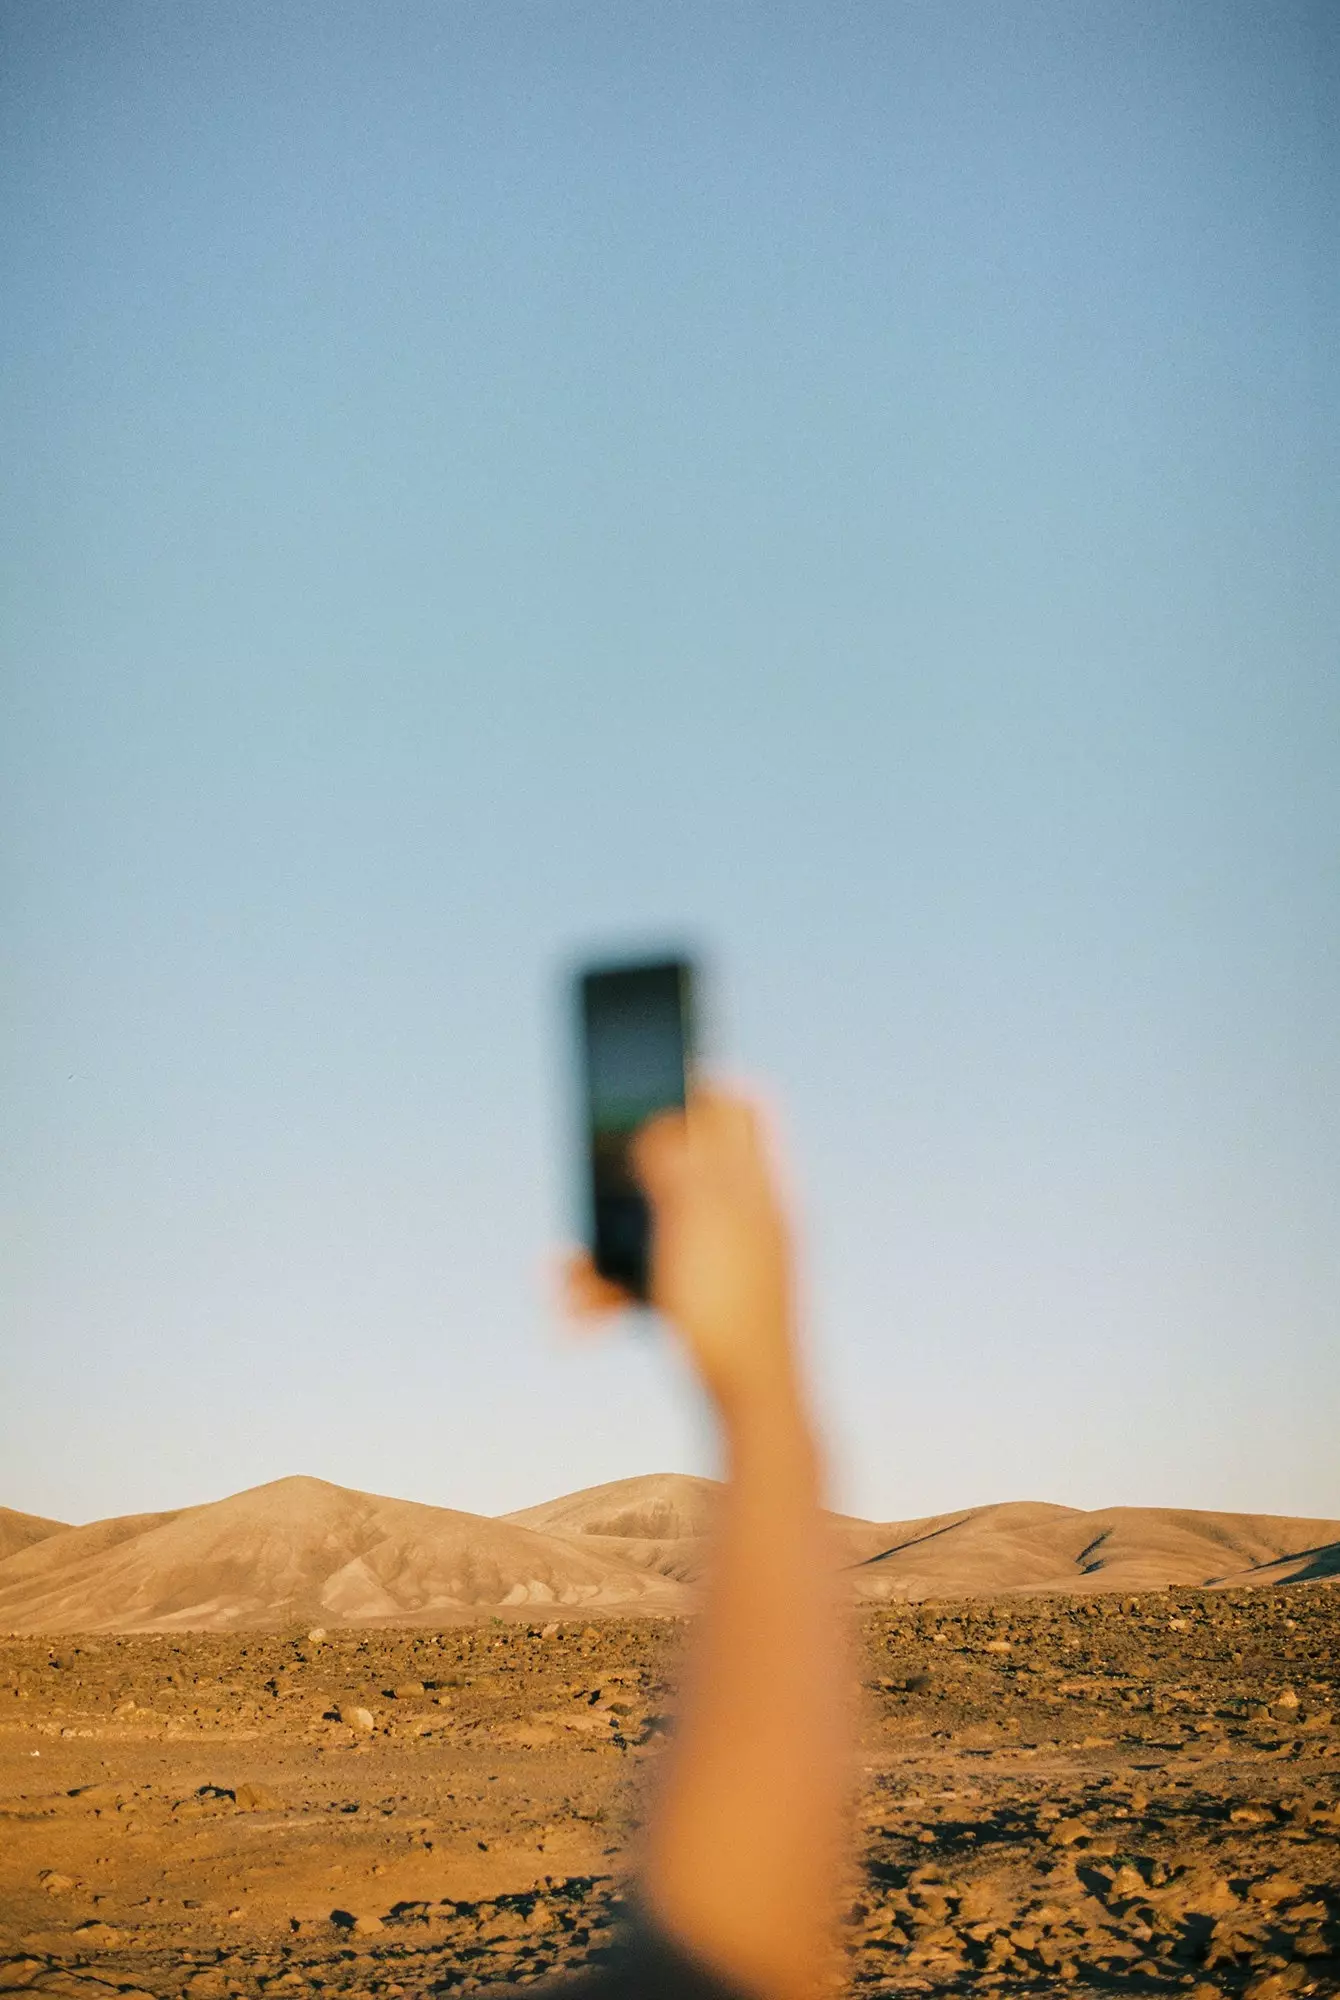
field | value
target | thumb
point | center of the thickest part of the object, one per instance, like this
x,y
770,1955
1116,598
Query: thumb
x,y
659,1154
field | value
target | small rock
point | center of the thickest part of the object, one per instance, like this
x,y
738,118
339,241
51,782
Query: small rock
x,y
97,1795
1278,1888
364,1925
358,1718
1276,1985
1126,1883
55,1883
1286,1699
1066,1832
317,1634
209,1983
407,1690
95,1933
252,1797
19,1972
549,1631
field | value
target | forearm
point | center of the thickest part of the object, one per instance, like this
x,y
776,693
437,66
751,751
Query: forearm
x,y
742,1855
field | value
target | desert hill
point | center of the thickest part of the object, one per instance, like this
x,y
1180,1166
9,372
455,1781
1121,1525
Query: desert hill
x,y
660,1522
989,1551
19,1531
303,1551
658,1506
663,1521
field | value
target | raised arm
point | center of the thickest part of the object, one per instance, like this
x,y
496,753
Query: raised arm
x,y
743,1852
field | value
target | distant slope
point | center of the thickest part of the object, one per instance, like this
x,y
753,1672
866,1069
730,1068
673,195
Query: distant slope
x,y
658,1521
991,1551
655,1506
661,1521
20,1531
303,1551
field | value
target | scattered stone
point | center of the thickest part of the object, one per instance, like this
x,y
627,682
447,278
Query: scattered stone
x,y
1279,1888
253,1797
1126,1883
361,1719
208,1983
1276,1985
16,1973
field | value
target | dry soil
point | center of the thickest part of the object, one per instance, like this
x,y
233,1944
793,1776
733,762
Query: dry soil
x,y
1112,1795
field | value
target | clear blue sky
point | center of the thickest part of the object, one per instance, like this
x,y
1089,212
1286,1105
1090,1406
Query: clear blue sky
x,y
854,485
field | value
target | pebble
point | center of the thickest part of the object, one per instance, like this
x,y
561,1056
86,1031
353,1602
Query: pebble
x,y
19,1972
252,1797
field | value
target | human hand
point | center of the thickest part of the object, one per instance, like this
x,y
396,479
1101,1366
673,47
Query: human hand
x,y
721,1260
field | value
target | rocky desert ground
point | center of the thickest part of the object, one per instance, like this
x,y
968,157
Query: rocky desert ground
x,y
1085,1789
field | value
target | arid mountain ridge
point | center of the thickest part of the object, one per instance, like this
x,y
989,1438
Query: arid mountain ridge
x,y
302,1550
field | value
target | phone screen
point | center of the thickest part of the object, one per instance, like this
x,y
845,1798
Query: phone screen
x,y
636,1023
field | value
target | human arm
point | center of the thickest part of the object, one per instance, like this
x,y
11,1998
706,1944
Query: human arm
x,y
743,1851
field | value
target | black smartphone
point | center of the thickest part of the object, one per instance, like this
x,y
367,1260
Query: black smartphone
x,y
636,1023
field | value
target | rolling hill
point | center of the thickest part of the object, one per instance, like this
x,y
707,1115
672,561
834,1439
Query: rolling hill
x,y
302,1551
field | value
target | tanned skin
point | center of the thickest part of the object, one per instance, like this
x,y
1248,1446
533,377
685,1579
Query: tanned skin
x,y
743,1853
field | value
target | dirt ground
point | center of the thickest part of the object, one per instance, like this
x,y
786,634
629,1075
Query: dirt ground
x,y
1102,1796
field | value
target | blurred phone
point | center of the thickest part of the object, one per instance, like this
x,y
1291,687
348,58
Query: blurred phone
x,y
636,1032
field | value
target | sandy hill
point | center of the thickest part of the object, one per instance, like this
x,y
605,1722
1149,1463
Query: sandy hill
x,y
658,1506
661,1522
303,1551
19,1531
1030,1546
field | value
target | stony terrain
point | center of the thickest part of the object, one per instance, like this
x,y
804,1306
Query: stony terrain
x,y
1096,1795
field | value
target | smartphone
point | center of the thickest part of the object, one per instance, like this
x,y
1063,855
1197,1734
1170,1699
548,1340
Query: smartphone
x,y
636,1024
